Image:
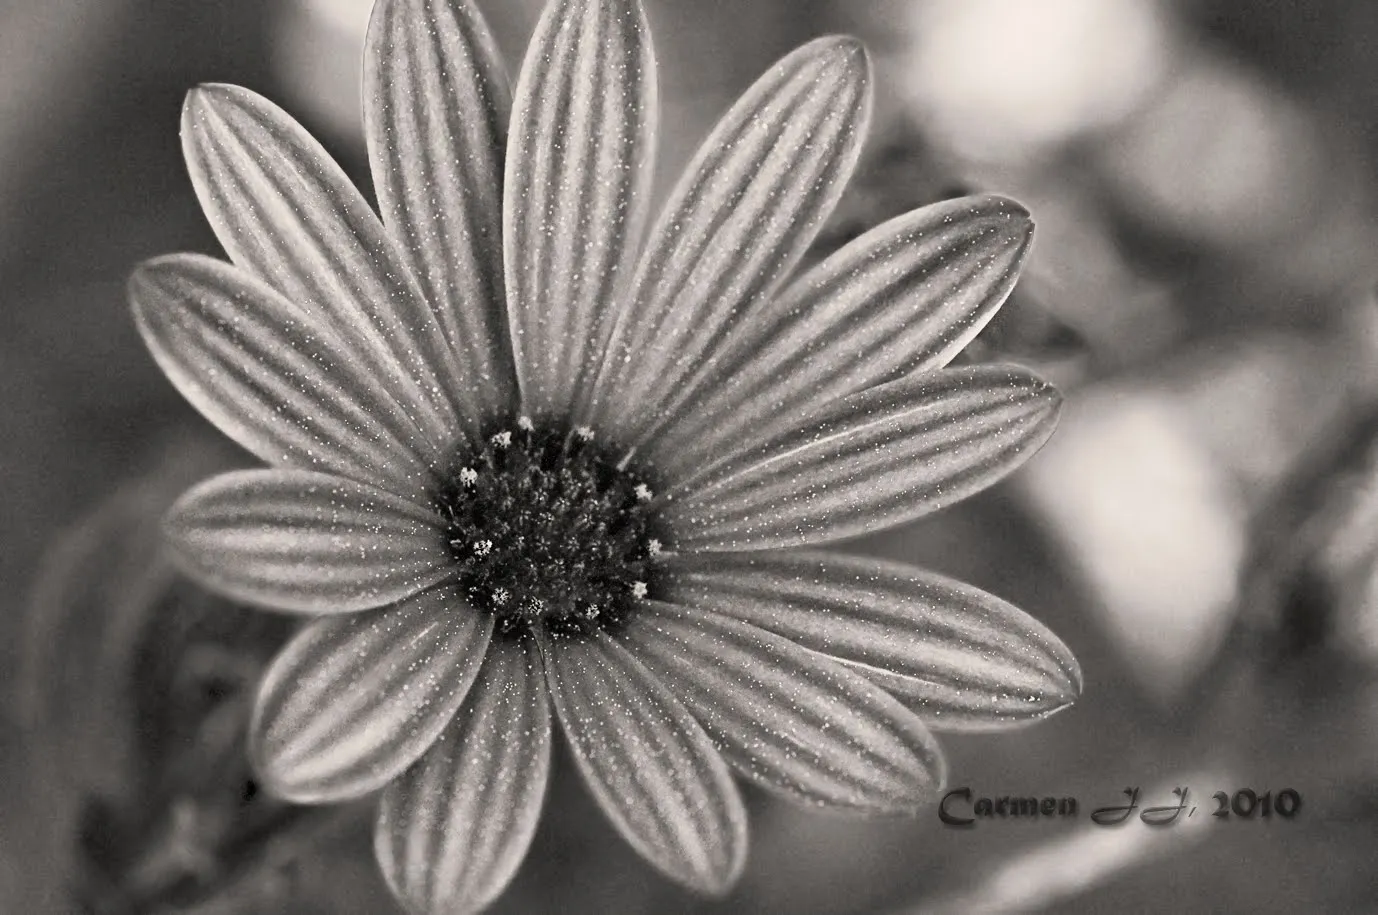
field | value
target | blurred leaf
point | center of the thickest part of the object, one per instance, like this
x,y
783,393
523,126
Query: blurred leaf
x,y
1153,523
94,595
1153,481
138,687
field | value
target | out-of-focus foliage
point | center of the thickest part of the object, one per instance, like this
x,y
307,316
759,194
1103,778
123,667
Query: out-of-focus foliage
x,y
136,694
1200,531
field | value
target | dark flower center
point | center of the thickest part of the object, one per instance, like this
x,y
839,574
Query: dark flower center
x,y
549,530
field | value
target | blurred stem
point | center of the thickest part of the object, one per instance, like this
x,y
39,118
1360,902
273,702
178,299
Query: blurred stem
x,y
226,878
262,863
1290,593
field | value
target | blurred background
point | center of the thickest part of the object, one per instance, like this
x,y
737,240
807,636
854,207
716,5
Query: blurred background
x,y
1202,531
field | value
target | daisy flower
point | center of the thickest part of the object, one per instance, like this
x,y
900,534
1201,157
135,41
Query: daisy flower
x,y
538,460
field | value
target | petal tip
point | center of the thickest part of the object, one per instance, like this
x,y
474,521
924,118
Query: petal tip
x,y
1003,228
1051,399
211,99
1000,205
857,68
150,275
929,770
924,780
139,286
186,559
212,91
1027,387
1050,392
1053,706
278,780
201,103
174,519
1018,222
1073,684
1056,704
1043,397
273,779
847,47
845,56
204,97
1061,680
718,881
268,777
195,98
634,9
936,777
288,780
1012,224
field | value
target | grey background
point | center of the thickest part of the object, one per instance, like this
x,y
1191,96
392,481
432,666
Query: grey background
x,y
1202,175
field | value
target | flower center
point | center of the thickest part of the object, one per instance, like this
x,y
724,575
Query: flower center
x,y
547,529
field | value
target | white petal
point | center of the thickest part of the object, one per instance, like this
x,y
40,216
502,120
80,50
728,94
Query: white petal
x,y
271,375
454,828
789,718
960,658
579,166
874,460
354,700
903,298
286,212
304,541
648,763
746,209
435,117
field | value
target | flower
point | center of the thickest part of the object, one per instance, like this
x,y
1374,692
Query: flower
x,y
528,468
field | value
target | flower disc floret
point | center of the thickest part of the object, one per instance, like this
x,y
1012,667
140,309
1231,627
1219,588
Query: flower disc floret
x,y
548,530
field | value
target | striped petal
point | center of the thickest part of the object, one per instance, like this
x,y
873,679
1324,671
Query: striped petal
x,y
648,763
435,116
284,211
872,461
786,717
903,298
746,209
453,829
270,375
579,164
303,541
354,700
960,658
